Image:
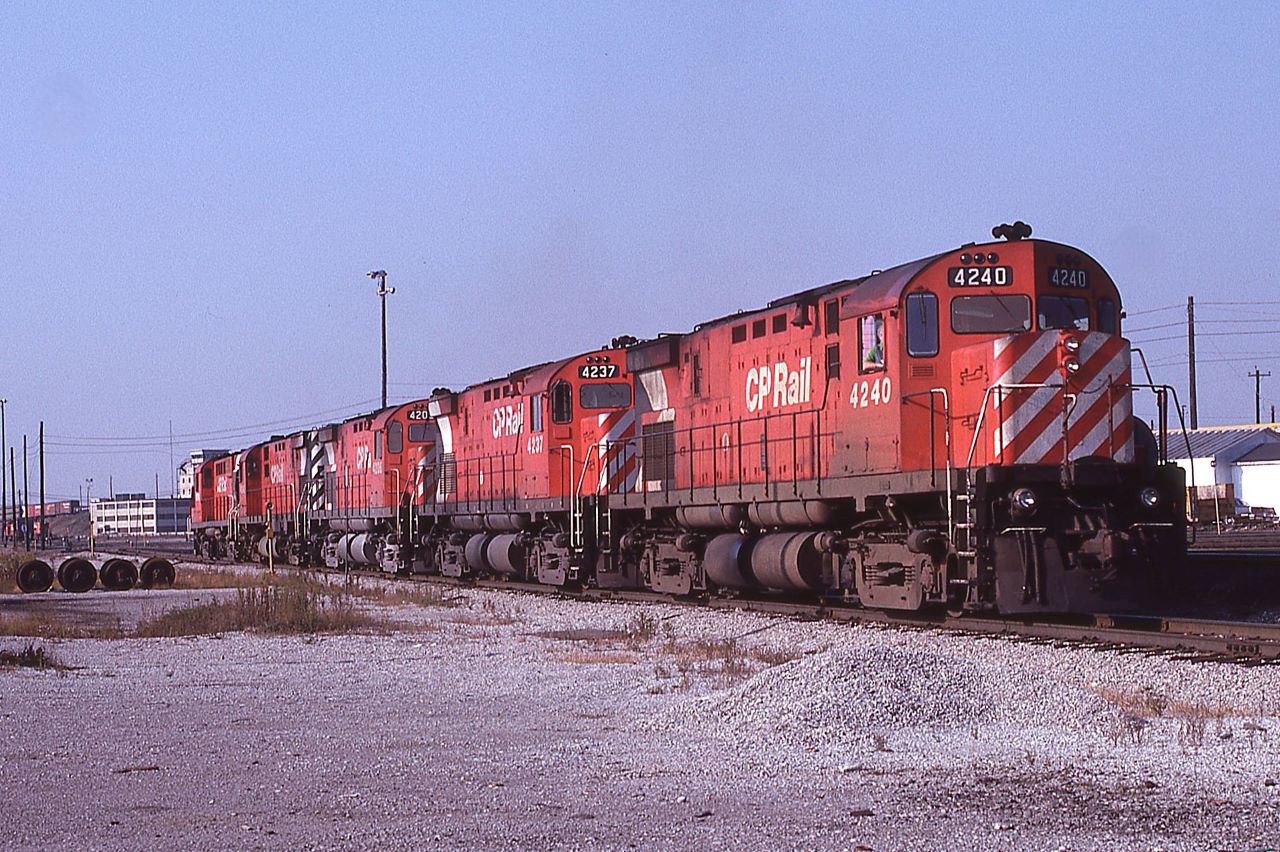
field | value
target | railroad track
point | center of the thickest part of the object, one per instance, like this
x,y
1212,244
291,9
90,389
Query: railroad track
x,y
1191,638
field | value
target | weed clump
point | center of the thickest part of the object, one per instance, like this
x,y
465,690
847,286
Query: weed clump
x,y
9,563
297,605
30,657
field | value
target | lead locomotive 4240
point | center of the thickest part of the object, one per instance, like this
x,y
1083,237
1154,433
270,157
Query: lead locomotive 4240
x,y
955,431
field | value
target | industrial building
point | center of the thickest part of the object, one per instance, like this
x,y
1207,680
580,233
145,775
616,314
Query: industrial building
x,y
138,514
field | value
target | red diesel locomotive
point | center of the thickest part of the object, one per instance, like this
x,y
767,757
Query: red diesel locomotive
x,y
954,431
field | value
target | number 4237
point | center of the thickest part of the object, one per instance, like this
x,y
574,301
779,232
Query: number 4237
x,y
873,392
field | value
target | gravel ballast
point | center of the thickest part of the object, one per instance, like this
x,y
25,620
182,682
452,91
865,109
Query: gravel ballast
x,y
519,721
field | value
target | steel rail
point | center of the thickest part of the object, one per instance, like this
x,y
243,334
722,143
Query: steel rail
x,y
1201,639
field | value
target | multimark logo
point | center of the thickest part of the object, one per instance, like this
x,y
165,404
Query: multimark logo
x,y
777,385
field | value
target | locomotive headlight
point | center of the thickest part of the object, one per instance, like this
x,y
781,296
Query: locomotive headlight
x,y
1071,344
1024,500
1071,365
1150,497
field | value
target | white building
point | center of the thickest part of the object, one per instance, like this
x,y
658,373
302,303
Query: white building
x,y
1247,458
1259,476
187,472
139,514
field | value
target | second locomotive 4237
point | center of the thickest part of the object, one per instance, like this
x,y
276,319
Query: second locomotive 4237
x,y
956,431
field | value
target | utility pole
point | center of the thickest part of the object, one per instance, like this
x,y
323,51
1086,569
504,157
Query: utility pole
x,y
44,520
4,484
380,275
26,498
1191,358
1258,376
13,495
88,502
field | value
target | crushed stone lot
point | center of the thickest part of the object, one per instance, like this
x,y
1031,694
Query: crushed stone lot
x,y
503,720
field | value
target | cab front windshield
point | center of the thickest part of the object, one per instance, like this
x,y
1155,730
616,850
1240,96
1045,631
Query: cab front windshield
x,y
1070,312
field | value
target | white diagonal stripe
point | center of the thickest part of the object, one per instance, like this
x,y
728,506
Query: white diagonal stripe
x,y
1019,370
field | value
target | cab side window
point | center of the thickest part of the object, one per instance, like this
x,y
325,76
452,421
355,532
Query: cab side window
x,y
561,402
395,438
871,343
1107,317
922,325
535,413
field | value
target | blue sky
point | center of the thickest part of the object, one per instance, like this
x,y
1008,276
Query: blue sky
x,y
191,194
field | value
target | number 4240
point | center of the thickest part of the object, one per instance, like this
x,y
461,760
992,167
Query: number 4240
x,y
868,393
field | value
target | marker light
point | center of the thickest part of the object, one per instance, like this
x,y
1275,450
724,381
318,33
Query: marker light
x,y
1150,497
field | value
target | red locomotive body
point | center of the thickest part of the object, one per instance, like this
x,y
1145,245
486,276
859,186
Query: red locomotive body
x,y
849,438
212,497
954,431
519,456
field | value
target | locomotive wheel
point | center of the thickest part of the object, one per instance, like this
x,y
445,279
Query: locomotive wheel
x,y
77,575
157,571
118,575
35,575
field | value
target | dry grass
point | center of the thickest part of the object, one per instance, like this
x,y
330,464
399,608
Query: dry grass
x,y
490,614
48,626
9,562
294,604
601,657
208,578
1138,709
31,657
403,593
677,662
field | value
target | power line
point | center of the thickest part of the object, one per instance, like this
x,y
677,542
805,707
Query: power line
x,y
1206,334
1151,310
163,440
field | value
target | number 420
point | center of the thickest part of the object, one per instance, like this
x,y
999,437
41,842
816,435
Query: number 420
x,y
874,392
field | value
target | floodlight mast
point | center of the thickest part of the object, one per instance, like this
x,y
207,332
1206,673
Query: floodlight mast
x,y
380,275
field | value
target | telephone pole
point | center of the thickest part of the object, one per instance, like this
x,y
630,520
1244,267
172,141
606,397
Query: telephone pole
x,y
13,495
1258,376
44,524
380,275
26,498
1191,358
4,485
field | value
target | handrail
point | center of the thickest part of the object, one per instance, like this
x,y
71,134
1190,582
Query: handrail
x,y
573,494
982,412
946,419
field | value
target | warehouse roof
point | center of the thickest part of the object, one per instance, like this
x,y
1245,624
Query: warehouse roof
x,y
1231,441
1263,453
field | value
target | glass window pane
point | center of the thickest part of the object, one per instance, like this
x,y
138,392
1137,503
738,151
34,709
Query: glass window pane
x,y
990,314
605,395
871,344
395,438
1107,317
922,325
561,402
1063,312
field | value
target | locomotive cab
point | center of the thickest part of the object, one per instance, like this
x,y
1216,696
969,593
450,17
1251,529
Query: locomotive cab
x,y
1056,512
